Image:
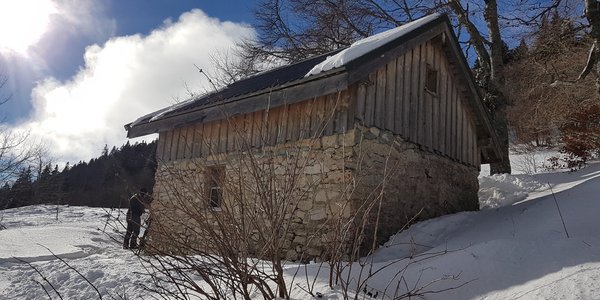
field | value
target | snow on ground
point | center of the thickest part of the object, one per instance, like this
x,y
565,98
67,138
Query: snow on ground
x,y
79,236
516,247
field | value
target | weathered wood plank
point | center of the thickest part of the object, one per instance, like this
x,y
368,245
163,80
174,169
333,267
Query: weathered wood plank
x,y
361,98
316,117
444,90
407,95
472,146
306,110
190,142
414,95
213,143
295,115
435,124
321,116
283,124
453,122
351,109
160,146
257,129
459,129
342,113
167,150
248,127
477,156
390,95
428,101
174,144
183,142
422,107
205,142
291,118
198,140
465,142
399,96
330,107
222,125
214,137
232,125
370,100
273,125
427,120
457,126
379,117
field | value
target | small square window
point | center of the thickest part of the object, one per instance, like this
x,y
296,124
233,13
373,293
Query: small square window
x,y
431,80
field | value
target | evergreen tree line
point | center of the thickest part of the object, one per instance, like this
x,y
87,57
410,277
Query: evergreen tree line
x,y
106,181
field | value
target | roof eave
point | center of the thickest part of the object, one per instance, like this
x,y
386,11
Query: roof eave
x,y
490,145
292,92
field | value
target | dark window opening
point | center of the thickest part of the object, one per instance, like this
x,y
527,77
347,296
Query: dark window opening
x,y
431,80
216,195
215,179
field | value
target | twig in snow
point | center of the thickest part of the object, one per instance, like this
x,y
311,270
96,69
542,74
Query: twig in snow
x,y
559,212
41,275
76,271
43,287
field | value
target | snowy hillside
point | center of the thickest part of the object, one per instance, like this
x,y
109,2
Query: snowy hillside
x,y
515,248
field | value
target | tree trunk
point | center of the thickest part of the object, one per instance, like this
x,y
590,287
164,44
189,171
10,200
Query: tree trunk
x,y
496,99
592,14
490,77
501,127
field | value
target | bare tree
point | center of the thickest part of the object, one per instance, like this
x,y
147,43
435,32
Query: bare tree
x,y
592,14
557,49
296,29
16,147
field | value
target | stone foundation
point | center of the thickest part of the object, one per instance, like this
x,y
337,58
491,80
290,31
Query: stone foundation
x,y
329,184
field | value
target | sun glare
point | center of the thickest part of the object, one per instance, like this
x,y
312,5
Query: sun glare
x,y
22,22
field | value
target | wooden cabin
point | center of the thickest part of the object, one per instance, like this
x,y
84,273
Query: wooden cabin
x,y
397,116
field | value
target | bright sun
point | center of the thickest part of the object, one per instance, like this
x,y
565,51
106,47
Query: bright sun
x,y
22,22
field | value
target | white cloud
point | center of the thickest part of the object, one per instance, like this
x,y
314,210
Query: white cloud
x,y
125,78
84,17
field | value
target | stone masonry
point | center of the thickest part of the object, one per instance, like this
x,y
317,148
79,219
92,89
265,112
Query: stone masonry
x,y
335,185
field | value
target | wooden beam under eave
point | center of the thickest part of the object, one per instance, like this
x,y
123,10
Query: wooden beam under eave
x,y
268,99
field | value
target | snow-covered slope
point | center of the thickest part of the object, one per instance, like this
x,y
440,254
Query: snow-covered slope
x,y
516,247
82,237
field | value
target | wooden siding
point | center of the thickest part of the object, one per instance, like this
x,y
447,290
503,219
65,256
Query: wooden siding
x,y
316,117
394,98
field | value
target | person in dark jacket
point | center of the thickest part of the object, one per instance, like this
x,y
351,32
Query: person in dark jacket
x,y
137,205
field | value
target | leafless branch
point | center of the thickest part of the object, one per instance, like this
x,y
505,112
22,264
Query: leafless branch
x,y
41,275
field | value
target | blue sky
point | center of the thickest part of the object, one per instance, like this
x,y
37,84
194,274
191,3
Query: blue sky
x,y
79,70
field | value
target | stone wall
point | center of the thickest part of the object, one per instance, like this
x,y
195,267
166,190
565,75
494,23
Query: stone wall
x,y
322,190
308,181
405,183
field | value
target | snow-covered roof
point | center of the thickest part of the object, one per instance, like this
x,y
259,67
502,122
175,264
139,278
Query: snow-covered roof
x,y
366,45
313,77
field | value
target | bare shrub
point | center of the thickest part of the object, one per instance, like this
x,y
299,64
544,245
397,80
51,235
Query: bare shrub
x,y
528,160
227,225
580,136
